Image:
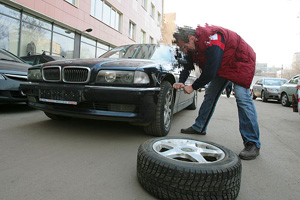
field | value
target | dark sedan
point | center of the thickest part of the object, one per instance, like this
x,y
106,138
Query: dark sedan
x,y
130,83
13,71
267,88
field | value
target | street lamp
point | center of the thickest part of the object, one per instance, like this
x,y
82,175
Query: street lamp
x,y
88,30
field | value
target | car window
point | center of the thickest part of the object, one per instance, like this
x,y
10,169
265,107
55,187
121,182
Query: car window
x,y
43,59
259,82
164,53
142,51
29,59
274,82
294,80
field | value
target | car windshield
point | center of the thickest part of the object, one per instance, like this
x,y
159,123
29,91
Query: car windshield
x,y
142,51
5,55
274,82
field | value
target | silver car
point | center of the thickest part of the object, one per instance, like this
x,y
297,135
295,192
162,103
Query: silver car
x,y
267,88
287,90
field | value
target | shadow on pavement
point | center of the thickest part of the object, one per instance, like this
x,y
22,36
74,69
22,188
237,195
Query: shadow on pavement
x,y
14,108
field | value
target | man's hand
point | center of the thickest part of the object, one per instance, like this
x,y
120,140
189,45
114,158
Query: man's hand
x,y
178,85
188,89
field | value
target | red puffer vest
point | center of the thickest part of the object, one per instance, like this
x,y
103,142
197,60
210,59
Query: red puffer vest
x,y
238,62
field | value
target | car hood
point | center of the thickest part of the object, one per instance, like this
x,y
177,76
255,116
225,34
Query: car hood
x,y
105,63
10,66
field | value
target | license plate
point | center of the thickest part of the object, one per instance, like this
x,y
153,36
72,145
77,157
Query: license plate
x,y
62,96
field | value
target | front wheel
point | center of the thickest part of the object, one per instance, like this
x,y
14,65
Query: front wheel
x,y
285,100
253,95
161,124
263,96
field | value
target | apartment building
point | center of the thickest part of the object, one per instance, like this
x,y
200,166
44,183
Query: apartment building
x,y
77,28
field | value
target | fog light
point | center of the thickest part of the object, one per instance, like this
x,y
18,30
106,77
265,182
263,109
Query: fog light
x,y
31,99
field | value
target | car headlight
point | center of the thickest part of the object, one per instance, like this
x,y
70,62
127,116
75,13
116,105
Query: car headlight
x,y
122,77
34,75
2,77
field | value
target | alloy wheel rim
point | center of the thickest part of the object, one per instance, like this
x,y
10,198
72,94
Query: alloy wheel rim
x,y
187,150
284,99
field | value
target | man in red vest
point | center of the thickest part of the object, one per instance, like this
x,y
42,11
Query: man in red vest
x,y
223,56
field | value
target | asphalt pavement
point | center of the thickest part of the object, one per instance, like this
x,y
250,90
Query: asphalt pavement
x,y
78,159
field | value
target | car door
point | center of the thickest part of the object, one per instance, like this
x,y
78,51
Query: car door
x,y
257,87
291,87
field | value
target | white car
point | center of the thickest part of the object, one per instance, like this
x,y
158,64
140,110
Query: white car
x,y
287,90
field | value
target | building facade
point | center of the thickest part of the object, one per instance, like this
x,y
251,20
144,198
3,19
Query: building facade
x,y
77,28
168,28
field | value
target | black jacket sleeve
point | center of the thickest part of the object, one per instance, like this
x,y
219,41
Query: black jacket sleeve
x,y
213,55
188,65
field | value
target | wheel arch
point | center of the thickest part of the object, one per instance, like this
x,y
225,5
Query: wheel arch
x,y
171,79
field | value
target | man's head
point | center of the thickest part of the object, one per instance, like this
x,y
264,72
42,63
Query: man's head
x,y
184,38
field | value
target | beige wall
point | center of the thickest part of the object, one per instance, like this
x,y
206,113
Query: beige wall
x,y
168,28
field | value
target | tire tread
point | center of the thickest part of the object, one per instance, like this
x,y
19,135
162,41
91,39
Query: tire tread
x,y
166,181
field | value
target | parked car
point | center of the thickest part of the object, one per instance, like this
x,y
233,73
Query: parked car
x,y
13,71
287,90
130,83
267,88
40,58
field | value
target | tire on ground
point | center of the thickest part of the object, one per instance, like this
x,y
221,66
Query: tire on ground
x,y
161,124
253,96
284,100
179,178
263,96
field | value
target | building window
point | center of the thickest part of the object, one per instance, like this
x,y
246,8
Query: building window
x,y
151,41
144,4
105,13
73,2
9,29
63,42
159,18
143,37
132,30
36,35
101,49
97,9
87,48
152,11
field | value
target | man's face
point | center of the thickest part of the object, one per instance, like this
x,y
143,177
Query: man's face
x,y
189,46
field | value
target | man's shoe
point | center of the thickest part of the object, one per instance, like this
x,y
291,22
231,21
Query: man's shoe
x,y
250,152
190,130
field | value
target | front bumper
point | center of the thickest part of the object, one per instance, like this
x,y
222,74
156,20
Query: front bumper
x,y
10,92
272,95
94,102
